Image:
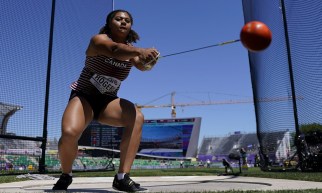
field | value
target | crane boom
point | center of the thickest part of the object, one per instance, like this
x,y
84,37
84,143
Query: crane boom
x,y
173,105
197,104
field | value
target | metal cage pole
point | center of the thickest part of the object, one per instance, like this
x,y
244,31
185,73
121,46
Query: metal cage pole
x,y
290,65
263,157
42,165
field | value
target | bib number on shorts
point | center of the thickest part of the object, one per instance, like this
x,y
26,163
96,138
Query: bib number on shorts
x,y
105,84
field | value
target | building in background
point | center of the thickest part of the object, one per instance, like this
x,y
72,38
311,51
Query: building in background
x,y
6,111
218,148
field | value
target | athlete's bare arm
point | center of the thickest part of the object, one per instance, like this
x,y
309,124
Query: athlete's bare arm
x,y
101,44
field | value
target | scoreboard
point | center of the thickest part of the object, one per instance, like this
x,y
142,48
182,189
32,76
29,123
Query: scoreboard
x,y
99,135
160,137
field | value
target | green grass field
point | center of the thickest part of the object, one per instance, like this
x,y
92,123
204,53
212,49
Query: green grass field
x,y
251,172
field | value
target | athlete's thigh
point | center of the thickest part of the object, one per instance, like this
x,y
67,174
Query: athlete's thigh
x,y
78,114
118,112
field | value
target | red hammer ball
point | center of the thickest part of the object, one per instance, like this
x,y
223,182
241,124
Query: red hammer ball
x,y
255,36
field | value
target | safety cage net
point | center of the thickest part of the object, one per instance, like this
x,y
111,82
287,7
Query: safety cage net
x,y
286,80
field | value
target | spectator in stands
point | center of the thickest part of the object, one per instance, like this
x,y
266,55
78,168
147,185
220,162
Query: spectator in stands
x,y
243,155
201,165
10,166
208,163
109,58
257,160
181,164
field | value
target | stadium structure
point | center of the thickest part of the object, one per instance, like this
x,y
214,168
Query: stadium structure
x,y
14,153
216,149
162,139
6,111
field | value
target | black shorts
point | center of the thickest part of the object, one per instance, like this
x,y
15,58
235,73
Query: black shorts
x,y
97,102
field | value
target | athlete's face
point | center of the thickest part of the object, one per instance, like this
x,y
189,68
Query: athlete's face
x,y
121,23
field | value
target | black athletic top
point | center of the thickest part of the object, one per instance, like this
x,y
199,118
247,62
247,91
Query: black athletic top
x,y
102,75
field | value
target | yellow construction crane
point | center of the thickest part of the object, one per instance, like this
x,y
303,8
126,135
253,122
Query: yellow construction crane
x,y
173,105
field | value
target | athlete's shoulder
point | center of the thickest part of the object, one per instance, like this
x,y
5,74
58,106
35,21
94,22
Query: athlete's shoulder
x,y
100,37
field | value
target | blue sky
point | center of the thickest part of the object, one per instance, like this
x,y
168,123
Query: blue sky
x,y
214,74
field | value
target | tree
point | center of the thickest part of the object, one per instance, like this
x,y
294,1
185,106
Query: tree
x,y
310,128
312,133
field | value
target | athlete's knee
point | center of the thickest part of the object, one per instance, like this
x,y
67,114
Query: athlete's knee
x,y
71,133
139,117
